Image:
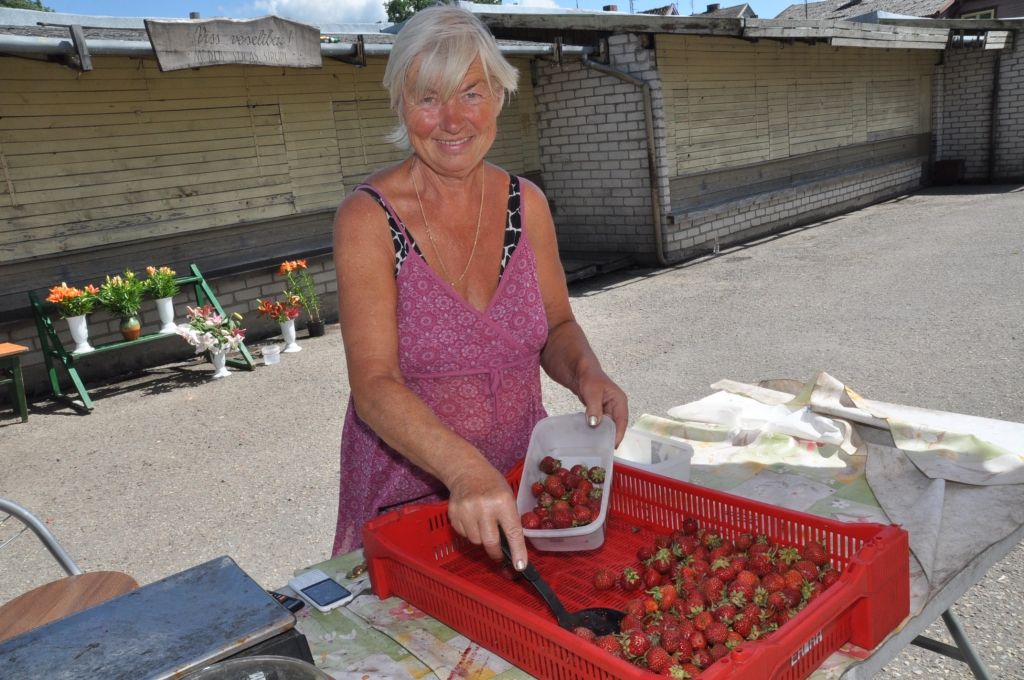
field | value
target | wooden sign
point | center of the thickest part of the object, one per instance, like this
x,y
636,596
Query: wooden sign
x,y
267,41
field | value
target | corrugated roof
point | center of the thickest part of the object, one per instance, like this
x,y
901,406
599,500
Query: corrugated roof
x,y
666,11
847,9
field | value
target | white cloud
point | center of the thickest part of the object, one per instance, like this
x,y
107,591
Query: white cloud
x,y
319,12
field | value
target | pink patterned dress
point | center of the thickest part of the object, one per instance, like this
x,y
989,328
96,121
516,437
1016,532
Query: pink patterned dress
x,y
479,371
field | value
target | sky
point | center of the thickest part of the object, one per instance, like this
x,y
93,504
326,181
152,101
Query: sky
x,y
319,12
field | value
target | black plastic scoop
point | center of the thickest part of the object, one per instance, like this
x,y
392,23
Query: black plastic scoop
x,y
601,620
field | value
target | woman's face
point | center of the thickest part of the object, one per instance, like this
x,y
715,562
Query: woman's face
x,y
453,136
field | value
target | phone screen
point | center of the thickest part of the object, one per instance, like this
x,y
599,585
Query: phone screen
x,y
325,592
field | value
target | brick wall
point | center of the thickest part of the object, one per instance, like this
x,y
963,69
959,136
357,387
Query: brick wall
x,y
594,158
962,113
236,293
698,231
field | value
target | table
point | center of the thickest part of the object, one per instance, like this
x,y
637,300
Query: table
x,y
394,639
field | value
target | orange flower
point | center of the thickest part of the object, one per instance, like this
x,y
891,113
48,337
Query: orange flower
x,y
91,289
63,292
288,266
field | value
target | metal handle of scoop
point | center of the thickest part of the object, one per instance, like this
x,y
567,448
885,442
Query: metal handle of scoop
x,y
530,573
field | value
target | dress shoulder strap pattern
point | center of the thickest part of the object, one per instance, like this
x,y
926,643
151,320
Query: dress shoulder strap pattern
x,y
400,237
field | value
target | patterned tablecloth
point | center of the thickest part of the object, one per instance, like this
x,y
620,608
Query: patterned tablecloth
x,y
797,453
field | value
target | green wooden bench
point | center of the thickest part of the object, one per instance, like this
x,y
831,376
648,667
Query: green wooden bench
x,y
55,354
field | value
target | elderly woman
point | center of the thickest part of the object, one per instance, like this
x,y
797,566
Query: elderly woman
x,y
452,297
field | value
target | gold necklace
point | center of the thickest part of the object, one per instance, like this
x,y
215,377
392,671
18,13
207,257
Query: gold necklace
x,y
430,234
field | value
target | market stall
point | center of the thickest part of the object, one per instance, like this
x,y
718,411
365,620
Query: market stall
x,y
818,448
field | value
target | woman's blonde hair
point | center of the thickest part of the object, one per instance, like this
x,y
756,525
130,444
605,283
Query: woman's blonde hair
x,y
442,42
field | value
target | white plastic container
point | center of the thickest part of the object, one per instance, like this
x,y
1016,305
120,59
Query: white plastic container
x,y
271,354
660,455
572,441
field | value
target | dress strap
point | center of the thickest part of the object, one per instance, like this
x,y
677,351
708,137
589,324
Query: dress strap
x,y
401,239
513,223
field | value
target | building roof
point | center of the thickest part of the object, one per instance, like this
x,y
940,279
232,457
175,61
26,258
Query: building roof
x,y
666,11
743,11
847,9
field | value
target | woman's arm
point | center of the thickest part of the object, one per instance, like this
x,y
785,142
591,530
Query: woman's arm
x,y
480,497
567,356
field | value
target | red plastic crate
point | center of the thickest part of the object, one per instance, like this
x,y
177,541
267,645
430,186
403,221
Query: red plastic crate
x,y
415,554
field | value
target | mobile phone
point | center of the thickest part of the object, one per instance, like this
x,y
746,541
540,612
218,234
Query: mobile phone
x,y
292,604
320,590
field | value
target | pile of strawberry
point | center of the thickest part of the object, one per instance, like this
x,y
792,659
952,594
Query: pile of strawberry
x,y
565,497
699,594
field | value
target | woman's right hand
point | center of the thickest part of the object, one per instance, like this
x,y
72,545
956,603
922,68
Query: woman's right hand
x,y
480,502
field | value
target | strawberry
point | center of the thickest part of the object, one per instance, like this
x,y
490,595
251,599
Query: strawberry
x,y
723,570
748,578
815,552
657,659
548,464
578,470
743,625
530,520
562,519
778,601
671,636
662,561
585,633
572,481
578,498
662,541
666,596
788,555
691,670
793,597
690,526
697,640
581,516
684,648
586,486
807,569
713,589
635,607
740,593
702,620
629,580
773,582
716,633
718,651
545,500
596,474
604,579
687,544
635,643
701,658
554,486
794,579
829,578
644,553
760,564
652,578
725,613
536,488
743,542
610,644
547,523
631,622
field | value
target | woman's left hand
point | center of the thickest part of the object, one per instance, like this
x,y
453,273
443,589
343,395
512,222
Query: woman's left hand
x,y
602,397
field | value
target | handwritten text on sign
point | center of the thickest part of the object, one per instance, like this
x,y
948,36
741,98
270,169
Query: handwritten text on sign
x,y
268,41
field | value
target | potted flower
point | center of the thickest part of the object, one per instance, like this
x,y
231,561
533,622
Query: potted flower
x,y
285,314
122,295
162,287
301,285
210,331
73,304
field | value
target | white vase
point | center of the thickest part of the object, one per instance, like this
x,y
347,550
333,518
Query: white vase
x,y
165,308
79,333
288,333
219,358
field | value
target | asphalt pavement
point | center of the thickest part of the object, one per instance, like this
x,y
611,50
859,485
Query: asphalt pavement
x,y
915,301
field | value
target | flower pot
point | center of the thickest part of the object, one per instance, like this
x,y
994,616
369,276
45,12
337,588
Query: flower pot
x,y
315,328
79,327
219,359
131,327
165,308
288,333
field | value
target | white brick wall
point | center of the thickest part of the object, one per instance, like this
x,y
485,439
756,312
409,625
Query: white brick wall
x,y
594,150
962,115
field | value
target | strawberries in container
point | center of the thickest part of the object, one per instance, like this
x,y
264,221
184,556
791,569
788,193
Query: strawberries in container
x,y
567,476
